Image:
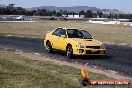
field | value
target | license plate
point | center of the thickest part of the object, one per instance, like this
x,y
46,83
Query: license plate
x,y
93,51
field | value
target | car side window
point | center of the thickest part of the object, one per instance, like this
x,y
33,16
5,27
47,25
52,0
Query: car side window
x,y
59,32
56,32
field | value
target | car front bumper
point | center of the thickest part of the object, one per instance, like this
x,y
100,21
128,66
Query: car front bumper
x,y
87,51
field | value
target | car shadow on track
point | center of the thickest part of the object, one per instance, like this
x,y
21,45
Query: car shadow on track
x,y
92,57
80,57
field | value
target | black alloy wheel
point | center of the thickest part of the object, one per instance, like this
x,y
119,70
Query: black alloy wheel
x,y
69,52
48,47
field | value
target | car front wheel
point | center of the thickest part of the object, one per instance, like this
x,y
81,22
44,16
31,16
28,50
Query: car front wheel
x,y
69,52
48,47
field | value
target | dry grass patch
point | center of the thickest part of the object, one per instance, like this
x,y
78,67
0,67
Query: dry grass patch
x,y
105,33
17,71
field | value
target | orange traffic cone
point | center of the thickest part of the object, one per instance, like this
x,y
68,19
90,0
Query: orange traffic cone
x,y
84,81
84,73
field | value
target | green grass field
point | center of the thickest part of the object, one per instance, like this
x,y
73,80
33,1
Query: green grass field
x,y
105,33
17,71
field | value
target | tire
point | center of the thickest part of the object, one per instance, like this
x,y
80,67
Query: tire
x,y
85,82
102,57
48,47
69,52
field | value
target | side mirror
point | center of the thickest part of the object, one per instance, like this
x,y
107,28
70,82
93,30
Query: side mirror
x,y
63,36
48,31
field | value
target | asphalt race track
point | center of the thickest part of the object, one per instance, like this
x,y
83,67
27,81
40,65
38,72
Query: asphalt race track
x,y
118,57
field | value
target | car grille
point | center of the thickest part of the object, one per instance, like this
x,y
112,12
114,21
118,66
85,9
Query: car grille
x,y
93,47
90,52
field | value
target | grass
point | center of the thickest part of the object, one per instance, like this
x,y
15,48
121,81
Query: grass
x,y
105,33
17,71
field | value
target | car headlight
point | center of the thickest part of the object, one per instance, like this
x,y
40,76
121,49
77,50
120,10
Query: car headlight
x,y
80,45
103,46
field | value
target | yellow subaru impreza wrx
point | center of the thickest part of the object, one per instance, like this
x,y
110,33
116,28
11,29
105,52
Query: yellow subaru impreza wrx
x,y
73,41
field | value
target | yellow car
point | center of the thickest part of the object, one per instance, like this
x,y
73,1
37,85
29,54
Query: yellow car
x,y
73,41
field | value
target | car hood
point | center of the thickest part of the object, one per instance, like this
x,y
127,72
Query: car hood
x,y
88,42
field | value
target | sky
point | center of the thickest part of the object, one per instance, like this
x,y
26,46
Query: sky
x,y
123,5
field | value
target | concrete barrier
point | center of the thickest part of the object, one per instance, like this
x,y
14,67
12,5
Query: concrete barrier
x,y
118,23
102,22
96,22
109,22
121,24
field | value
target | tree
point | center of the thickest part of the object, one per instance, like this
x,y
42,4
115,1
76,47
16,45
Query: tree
x,y
65,12
42,12
29,13
7,11
89,13
20,11
11,5
34,12
130,16
82,12
11,9
2,10
54,13
100,14
58,14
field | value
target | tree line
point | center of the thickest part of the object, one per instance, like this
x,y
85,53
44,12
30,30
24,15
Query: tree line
x,y
11,10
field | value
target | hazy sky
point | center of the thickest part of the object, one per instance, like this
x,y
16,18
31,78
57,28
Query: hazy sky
x,y
124,5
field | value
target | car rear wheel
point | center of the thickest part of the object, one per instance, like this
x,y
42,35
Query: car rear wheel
x,y
102,57
48,47
69,52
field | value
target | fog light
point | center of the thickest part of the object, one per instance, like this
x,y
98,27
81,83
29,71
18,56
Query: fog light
x,y
103,52
81,50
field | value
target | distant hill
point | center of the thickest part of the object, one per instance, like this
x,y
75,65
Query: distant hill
x,y
114,11
74,8
80,8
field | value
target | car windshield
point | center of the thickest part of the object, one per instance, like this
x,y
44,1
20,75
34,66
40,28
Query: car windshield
x,y
75,33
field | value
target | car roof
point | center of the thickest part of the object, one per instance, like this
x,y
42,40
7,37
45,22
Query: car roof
x,y
69,28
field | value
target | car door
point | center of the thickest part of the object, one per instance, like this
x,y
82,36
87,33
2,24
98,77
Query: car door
x,y
54,39
58,41
62,40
